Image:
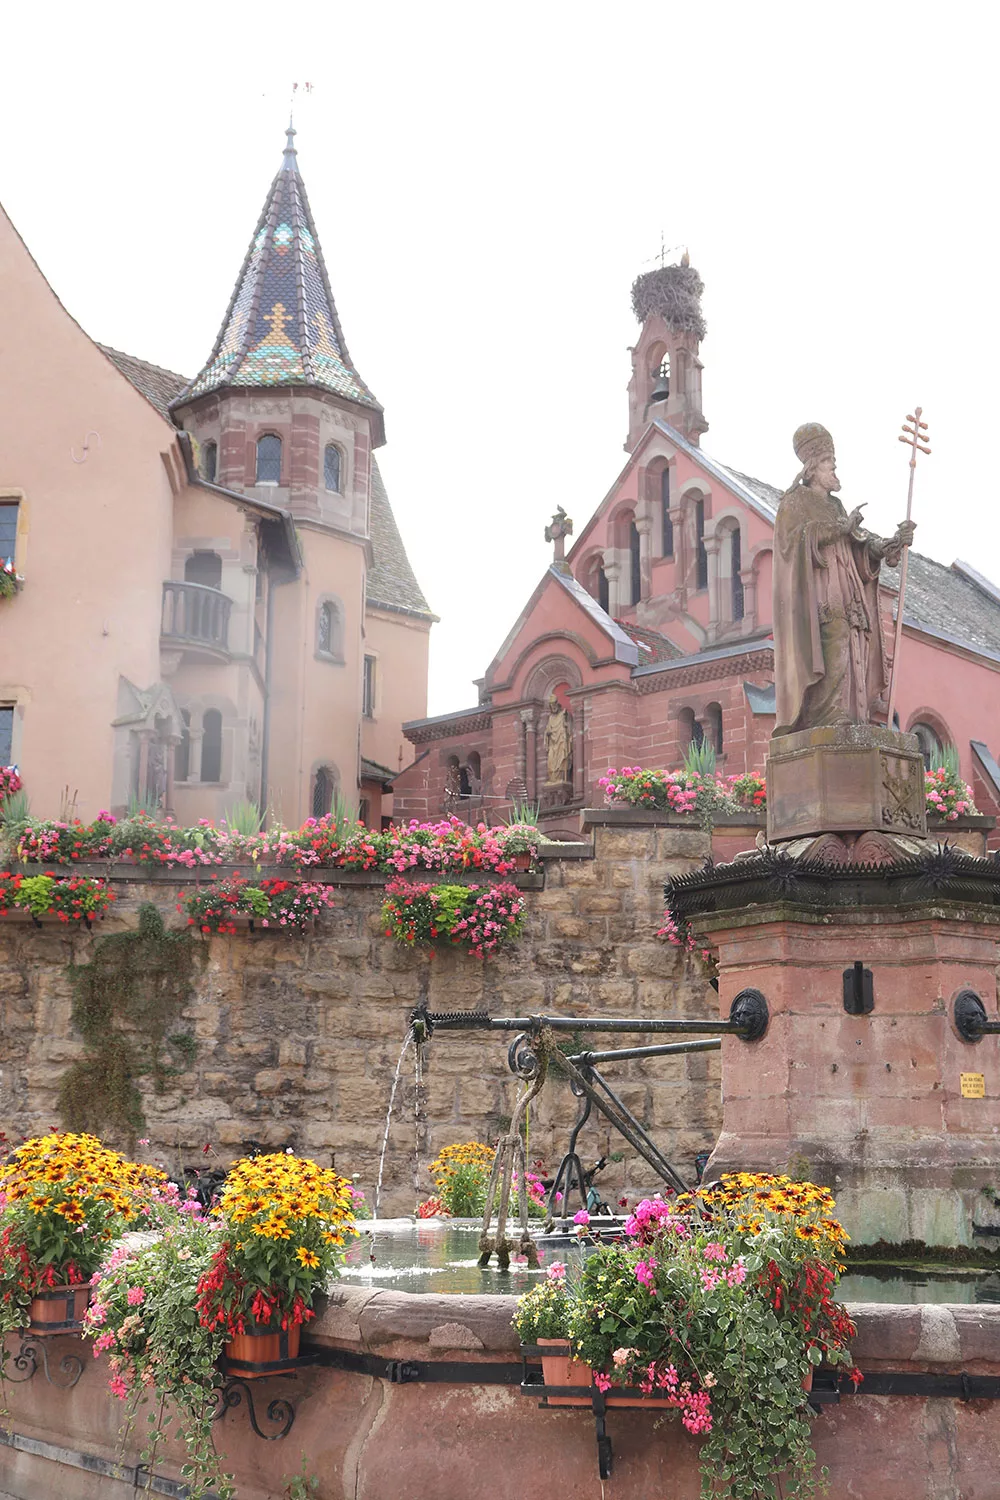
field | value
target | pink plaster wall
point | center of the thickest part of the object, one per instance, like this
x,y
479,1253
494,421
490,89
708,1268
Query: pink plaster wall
x,y
94,544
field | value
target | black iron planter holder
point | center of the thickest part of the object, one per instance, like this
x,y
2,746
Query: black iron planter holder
x,y
70,1367
237,1388
825,1392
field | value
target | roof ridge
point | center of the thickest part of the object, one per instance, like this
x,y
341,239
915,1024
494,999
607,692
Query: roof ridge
x,y
149,363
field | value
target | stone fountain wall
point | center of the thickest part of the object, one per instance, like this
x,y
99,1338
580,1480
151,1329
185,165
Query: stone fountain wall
x,y
297,1037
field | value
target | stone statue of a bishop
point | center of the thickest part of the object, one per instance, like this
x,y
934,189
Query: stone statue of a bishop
x,y
829,655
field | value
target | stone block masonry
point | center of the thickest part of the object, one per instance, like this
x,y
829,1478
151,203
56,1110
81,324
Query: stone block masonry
x,y
297,1037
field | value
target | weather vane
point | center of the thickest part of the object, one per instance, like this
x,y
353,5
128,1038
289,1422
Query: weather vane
x,y
913,434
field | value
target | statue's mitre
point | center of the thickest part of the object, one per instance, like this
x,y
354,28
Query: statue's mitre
x,y
811,440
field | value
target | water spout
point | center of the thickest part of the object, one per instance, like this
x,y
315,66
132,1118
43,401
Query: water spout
x,y
407,1040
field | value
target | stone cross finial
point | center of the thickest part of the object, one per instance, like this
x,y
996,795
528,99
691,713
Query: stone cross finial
x,y
559,528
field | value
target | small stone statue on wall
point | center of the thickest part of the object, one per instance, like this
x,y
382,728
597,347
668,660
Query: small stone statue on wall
x,y
829,655
558,745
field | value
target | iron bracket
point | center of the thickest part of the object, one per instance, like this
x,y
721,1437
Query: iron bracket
x,y
26,1359
280,1413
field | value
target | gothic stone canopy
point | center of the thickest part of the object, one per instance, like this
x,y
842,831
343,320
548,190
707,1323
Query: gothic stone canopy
x,y
281,327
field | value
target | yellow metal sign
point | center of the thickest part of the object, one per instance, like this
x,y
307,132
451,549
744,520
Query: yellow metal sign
x,y
973,1086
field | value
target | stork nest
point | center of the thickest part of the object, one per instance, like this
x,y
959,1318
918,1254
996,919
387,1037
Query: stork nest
x,y
674,292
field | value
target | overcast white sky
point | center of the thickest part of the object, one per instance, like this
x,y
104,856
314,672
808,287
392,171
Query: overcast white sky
x,y
487,181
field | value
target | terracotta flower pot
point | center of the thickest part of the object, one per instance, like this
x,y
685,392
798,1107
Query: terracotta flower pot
x,y
522,861
246,1352
559,1368
58,1309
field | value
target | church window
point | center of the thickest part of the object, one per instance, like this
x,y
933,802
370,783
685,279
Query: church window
x,y
735,564
929,741
8,530
635,573
690,731
6,733
368,689
204,568
331,468
209,461
211,745
182,752
268,459
667,524
702,557
713,715
603,588
322,794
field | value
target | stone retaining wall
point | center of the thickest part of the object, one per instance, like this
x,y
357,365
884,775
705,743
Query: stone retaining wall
x,y
298,1037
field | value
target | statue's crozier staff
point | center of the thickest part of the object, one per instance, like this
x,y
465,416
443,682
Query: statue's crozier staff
x,y
829,655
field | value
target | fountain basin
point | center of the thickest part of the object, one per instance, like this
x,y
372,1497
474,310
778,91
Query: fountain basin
x,y
440,1256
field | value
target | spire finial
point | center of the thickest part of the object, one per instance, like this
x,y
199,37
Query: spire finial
x,y
290,152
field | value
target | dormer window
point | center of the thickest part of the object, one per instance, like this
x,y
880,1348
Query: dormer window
x,y
209,461
268,459
331,468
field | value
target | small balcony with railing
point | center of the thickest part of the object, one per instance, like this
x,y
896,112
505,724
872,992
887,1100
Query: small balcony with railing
x,y
195,620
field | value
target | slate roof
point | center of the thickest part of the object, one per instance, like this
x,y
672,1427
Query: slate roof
x,y
949,602
764,492
159,386
281,326
391,580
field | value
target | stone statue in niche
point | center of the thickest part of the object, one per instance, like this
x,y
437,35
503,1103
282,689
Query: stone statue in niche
x,y
829,655
558,744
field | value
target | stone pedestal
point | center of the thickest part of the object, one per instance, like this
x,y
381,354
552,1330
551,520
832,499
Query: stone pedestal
x,y
851,778
869,1104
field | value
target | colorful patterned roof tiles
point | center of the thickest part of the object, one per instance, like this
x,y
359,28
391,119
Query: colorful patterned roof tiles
x,y
281,327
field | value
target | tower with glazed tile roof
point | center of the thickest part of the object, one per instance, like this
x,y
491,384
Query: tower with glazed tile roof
x,y
282,414
281,327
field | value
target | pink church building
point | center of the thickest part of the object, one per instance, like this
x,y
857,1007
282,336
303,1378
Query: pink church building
x,y
217,604
655,630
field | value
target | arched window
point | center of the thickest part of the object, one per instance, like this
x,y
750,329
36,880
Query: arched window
x,y
689,731
322,793
329,630
666,525
364,812
182,752
735,564
209,461
603,588
713,713
211,745
331,468
635,567
701,580
929,741
268,459
204,568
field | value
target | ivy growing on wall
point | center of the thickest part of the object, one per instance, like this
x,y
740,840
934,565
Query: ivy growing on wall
x,y
126,1001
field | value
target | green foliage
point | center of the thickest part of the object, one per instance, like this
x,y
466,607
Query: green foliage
x,y
125,1001
36,893
524,812
544,1312
302,1485
15,810
143,807
947,759
465,1195
699,760
245,817
166,1359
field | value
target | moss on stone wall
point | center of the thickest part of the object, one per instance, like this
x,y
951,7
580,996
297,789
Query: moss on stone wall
x,y
125,999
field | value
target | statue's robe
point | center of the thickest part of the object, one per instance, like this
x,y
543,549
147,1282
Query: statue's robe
x,y
829,656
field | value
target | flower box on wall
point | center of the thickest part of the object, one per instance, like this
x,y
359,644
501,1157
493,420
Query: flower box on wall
x,y
59,1309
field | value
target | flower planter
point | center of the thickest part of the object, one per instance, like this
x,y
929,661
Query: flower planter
x,y
559,1368
522,861
261,1353
59,1309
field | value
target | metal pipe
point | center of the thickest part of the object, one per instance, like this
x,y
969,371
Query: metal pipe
x,y
469,1020
666,1049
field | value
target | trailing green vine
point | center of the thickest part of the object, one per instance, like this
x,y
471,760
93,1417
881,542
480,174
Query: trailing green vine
x,y
126,1002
